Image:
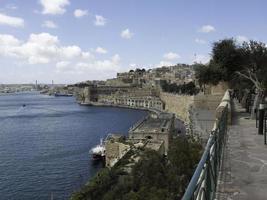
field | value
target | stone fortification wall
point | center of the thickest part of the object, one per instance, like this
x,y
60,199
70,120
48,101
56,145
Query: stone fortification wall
x,y
177,104
207,102
212,96
114,152
218,89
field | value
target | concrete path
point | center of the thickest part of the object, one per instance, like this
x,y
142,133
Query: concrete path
x,y
244,170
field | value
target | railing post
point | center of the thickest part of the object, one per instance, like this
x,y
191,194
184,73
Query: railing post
x,y
208,179
261,118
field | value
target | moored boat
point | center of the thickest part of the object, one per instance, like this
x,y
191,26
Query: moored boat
x,y
62,95
98,152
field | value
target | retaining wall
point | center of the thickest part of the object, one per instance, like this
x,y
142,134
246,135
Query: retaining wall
x,y
177,104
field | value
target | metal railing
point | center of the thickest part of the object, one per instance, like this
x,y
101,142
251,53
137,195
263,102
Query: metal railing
x,y
204,181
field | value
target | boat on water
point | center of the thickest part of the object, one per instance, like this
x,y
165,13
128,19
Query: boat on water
x,y
98,152
57,94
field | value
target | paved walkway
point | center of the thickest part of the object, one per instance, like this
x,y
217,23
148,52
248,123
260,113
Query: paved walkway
x,y
244,170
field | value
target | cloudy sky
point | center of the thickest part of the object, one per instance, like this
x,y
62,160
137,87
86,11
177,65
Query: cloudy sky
x,y
74,40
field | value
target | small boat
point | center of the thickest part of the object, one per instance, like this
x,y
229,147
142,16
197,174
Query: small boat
x,y
24,105
62,95
98,152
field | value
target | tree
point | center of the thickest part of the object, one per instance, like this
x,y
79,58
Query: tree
x,y
209,74
184,155
237,63
149,171
228,58
186,88
255,69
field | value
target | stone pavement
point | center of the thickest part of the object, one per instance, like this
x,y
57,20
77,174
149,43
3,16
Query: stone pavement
x,y
244,171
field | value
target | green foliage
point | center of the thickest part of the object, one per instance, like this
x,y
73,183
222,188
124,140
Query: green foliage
x,y
209,74
256,60
138,70
186,88
184,155
153,177
229,58
149,171
101,182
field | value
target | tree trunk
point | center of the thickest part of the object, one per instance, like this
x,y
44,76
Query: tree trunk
x,y
256,103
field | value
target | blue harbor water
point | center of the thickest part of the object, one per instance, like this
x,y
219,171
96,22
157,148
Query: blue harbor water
x,y
44,145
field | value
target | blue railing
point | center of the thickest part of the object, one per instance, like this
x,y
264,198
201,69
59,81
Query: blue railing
x,y
203,184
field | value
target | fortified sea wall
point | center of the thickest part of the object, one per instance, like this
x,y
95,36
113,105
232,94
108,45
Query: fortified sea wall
x,y
212,96
177,104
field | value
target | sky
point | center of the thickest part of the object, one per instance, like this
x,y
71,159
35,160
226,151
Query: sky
x,y
70,41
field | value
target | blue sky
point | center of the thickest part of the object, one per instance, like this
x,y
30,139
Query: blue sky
x,y
74,40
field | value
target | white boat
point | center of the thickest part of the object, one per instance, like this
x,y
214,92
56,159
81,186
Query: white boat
x,y
98,152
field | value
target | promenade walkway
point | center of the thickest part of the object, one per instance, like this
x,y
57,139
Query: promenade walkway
x,y
244,168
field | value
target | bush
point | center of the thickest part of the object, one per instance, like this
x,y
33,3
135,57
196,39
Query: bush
x,y
153,177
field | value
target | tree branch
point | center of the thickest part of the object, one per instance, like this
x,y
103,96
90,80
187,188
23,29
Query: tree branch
x,y
252,77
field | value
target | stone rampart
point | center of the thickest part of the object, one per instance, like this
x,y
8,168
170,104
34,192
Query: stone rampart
x,y
177,104
114,152
207,102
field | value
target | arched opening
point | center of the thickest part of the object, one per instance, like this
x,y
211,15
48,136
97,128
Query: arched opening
x,y
149,137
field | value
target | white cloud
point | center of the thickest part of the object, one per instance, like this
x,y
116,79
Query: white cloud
x,y
133,65
207,29
46,49
87,55
8,40
199,58
49,24
70,52
200,41
62,65
126,34
41,49
11,21
171,56
80,13
54,7
111,64
100,20
116,58
241,39
164,63
101,50
7,45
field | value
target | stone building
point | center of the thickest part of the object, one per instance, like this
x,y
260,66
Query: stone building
x,y
154,128
148,102
115,149
93,93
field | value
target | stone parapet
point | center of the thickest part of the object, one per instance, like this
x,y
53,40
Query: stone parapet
x,y
225,103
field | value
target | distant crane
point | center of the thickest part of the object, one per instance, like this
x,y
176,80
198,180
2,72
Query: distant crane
x,y
36,85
